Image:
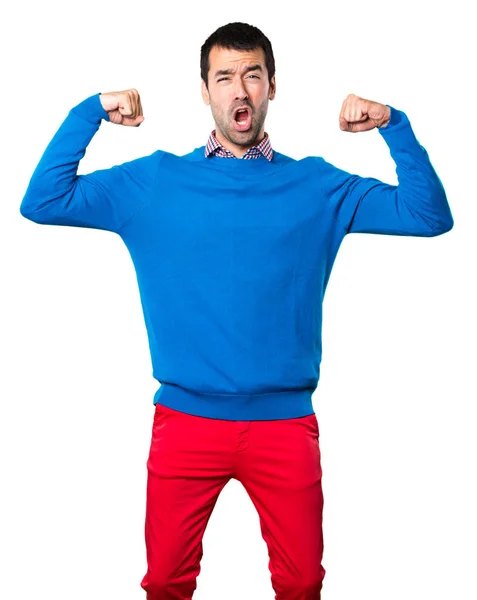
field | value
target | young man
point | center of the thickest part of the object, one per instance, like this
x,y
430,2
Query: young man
x,y
232,260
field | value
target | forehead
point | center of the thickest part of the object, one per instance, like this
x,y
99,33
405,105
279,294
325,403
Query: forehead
x,y
220,58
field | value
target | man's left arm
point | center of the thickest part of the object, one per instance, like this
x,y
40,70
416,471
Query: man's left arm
x,y
417,206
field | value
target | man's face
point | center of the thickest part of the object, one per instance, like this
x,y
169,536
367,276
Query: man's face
x,y
239,87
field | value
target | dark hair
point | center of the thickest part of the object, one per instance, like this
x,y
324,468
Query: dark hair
x,y
236,36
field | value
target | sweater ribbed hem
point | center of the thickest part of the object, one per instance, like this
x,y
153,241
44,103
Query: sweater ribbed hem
x,y
286,404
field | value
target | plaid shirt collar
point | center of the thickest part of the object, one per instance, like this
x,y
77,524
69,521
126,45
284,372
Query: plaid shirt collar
x,y
264,148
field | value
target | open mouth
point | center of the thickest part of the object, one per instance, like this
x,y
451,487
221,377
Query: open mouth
x,y
242,119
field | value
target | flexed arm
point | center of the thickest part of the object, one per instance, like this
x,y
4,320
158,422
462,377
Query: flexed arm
x,y
105,199
417,206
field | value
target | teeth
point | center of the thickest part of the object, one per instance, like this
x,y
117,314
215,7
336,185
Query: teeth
x,y
241,122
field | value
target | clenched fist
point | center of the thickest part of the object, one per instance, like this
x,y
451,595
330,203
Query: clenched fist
x,y
360,114
123,108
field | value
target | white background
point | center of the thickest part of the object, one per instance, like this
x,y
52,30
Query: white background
x,y
396,402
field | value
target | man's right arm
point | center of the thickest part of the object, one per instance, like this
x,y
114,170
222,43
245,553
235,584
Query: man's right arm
x,y
105,199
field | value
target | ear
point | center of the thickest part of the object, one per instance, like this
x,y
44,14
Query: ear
x,y
273,88
205,93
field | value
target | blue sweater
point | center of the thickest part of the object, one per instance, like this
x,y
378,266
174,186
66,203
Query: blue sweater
x,y
233,257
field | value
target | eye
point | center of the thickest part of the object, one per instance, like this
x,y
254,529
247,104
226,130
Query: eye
x,y
222,78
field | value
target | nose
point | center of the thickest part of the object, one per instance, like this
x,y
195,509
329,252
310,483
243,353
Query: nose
x,y
240,99
240,92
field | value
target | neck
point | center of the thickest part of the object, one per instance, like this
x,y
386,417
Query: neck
x,y
238,151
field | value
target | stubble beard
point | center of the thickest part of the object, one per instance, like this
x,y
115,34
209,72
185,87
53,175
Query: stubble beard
x,y
245,138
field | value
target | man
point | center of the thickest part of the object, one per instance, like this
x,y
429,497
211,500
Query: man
x,y
232,260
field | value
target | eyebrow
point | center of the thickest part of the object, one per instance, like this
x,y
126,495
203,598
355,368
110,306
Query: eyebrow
x,y
247,69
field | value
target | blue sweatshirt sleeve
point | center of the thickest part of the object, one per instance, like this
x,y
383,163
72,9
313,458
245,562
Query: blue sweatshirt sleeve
x,y
417,206
104,199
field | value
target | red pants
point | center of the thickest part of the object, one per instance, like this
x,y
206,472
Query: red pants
x,y
192,459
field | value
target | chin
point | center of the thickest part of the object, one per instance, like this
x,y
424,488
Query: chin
x,y
249,135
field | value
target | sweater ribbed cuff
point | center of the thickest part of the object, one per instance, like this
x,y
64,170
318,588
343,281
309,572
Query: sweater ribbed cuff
x,y
397,117
91,109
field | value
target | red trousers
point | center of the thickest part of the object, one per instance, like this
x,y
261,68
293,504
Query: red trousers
x,y
191,460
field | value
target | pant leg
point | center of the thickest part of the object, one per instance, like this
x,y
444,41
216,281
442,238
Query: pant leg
x,y
280,468
188,466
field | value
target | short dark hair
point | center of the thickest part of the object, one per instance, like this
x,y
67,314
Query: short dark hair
x,y
236,36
